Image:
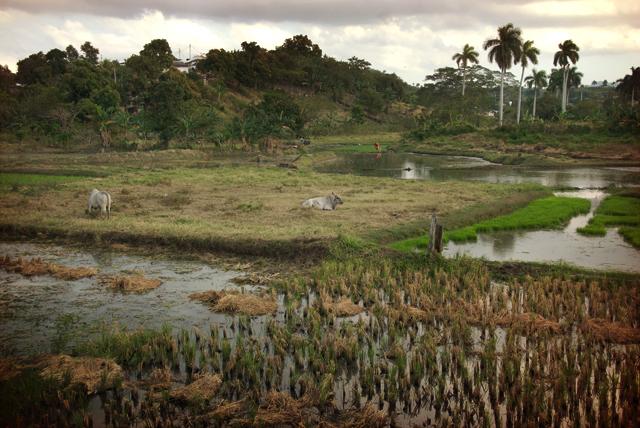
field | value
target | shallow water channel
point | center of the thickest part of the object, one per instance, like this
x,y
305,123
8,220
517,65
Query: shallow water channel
x,y
443,167
609,252
32,310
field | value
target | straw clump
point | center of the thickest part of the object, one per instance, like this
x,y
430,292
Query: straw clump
x,y
9,368
344,307
204,387
130,284
367,417
234,302
612,332
529,320
38,267
281,409
96,374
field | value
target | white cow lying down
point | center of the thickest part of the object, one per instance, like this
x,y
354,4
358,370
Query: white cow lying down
x,y
323,202
100,202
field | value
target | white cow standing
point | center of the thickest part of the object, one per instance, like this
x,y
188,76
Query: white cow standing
x,y
99,201
323,202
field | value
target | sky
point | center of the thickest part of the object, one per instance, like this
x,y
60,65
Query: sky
x,y
408,37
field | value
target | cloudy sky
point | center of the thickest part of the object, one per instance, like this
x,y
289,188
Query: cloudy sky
x,y
408,37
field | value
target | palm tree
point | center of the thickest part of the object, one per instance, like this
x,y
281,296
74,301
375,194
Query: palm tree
x,y
505,50
567,54
574,80
468,55
537,79
529,53
630,84
555,81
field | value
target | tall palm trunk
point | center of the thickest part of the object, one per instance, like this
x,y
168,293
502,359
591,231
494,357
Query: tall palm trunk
x,y
535,96
464,78
565,75
501,95
633,101
520,97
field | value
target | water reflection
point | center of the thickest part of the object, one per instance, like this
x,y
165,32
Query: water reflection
x,y
437,167
606,252
29,307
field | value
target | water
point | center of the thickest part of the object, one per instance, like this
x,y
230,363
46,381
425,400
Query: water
x,y
608,252
442,168
30,307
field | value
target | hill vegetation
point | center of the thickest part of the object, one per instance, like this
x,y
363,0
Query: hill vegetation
x,y
252,96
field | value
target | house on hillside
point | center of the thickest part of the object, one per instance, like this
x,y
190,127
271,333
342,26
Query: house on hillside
x,y
187,65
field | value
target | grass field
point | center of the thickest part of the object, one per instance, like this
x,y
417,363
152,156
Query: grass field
x,y
239,208
616,211
546,213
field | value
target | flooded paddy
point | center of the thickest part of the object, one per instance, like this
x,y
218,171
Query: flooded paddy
x,y
433,344
443,167
609,252
34,307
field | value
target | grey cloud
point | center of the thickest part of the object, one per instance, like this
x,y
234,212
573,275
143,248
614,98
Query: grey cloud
x,y
328,12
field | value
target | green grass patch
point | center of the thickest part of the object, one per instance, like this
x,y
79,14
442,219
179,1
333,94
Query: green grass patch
x,y
546,213
616,211
631,235
17,179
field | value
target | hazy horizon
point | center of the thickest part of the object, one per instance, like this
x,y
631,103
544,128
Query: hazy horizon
x,y
409,38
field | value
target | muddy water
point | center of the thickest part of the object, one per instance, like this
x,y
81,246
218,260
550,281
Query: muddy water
x,y
608,252
442,167
33,309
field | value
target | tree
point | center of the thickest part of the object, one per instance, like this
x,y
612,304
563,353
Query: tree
x,y
7,79
301,45
57,60
90,53
468,55
629,85
529,53
504,50
33,69
72,53
158,52
555,81
537,79
574,80
358,63
567,55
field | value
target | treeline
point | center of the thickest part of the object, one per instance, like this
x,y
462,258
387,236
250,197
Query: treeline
x,y
69,95
470,96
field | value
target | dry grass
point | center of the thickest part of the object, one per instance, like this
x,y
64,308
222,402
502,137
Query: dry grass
x,y
367,417
204,387
96,374
234,302
344,308
9,368
281,409
227,410
130,284
612,332
37,266
528,320
370,204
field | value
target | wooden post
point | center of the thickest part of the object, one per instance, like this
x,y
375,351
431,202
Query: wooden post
x,y
436,233
432,232
438,238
